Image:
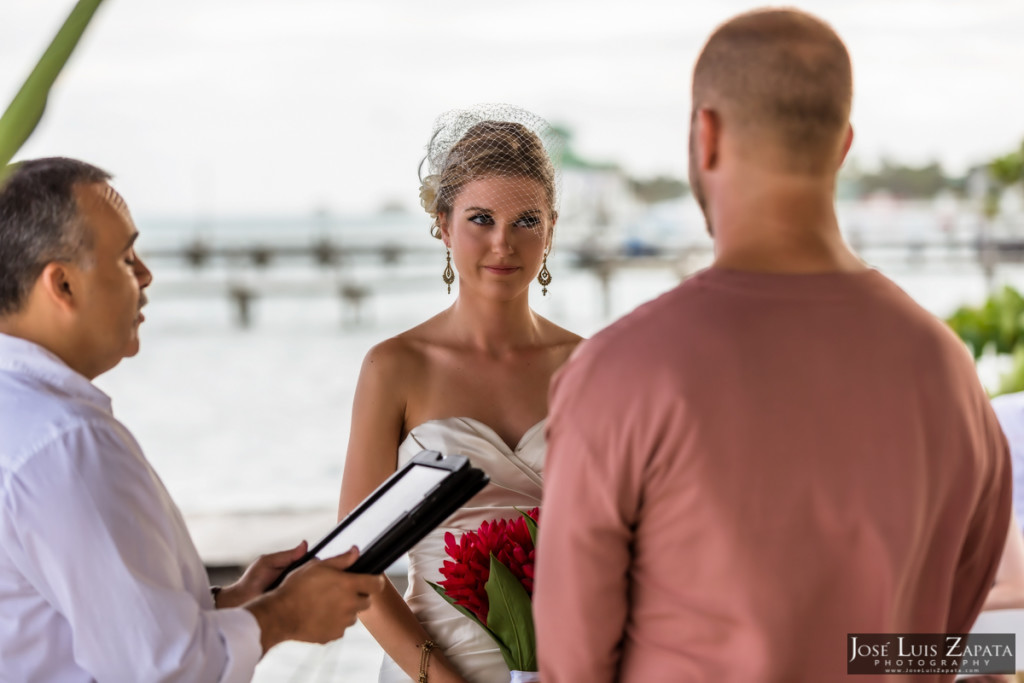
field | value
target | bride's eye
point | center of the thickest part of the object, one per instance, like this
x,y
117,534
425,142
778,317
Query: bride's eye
x,y
528,222
482,219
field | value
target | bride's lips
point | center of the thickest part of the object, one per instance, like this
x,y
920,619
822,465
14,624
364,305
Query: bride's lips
x,y
501,270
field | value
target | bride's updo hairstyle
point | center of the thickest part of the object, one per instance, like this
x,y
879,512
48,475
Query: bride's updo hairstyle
x,y
487,141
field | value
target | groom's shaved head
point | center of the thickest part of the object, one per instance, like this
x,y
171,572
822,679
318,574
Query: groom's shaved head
x,y
779,76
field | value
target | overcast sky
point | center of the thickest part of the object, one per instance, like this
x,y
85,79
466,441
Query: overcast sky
x,y
234,107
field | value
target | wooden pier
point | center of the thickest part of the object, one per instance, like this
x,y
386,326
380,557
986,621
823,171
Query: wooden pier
x,y
247,268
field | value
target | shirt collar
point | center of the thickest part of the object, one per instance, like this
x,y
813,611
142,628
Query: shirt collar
x,y
22,356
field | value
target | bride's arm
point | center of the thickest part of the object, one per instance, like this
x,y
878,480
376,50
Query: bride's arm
x,y
377,420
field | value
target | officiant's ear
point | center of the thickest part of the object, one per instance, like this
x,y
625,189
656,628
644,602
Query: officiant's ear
x,y
56,282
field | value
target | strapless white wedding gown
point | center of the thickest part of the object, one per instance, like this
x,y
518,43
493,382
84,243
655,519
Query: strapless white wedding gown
x,y
515,483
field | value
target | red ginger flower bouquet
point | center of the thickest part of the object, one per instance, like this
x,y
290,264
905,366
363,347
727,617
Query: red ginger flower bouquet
x,y
490,580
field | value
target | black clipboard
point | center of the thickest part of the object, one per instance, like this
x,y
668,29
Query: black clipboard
x,y
399,513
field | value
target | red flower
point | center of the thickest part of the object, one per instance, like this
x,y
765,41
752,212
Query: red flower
x,y
466,576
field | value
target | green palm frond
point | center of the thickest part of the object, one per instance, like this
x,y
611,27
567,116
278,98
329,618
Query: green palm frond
x,y
26,109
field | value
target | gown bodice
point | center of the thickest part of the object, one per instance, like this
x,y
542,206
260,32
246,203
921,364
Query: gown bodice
x,y
515,482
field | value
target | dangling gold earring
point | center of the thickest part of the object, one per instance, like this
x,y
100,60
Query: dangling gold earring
x,y
448,275
544,276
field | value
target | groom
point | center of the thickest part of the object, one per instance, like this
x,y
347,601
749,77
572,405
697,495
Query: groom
x,y
781,451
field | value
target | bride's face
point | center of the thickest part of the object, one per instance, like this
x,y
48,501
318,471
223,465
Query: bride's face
x,y
498,230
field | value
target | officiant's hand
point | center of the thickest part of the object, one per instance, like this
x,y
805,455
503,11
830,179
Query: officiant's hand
x,y
258,577
315,603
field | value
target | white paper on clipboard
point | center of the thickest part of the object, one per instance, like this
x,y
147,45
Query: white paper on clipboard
x,y
390,507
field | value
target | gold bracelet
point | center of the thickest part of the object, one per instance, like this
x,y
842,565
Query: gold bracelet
x,y
425,658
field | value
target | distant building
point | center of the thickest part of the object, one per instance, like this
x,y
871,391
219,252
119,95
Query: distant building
x,y
597,200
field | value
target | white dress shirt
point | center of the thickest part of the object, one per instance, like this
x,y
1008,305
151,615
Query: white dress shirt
x,y
99,578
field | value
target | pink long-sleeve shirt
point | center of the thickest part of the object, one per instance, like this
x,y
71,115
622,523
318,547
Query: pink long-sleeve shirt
x,y
752,466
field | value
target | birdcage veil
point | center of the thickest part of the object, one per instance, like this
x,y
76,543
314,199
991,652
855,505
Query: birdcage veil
x,y
489,140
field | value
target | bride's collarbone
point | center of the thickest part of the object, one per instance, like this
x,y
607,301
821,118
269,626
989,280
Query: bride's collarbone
x,y
459,354
483,376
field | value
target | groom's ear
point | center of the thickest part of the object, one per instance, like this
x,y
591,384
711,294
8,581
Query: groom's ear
x,y
847,143
709,129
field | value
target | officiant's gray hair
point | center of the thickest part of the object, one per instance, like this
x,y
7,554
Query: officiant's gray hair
x,y
40,222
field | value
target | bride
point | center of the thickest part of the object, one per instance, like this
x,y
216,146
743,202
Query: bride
x,y
471,380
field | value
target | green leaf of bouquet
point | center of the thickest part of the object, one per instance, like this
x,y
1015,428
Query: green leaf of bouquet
x,y
26,109
494,636
466,612
510,615
530,525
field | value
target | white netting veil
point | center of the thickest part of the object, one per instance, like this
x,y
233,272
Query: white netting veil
x,y
492,141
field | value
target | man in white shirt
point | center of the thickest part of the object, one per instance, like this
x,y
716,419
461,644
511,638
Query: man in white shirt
x,y
99,579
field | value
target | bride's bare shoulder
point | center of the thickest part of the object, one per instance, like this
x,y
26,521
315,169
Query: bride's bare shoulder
x,y
559,339
405,353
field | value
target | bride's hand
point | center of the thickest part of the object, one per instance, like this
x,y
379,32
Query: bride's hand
x,y
258,577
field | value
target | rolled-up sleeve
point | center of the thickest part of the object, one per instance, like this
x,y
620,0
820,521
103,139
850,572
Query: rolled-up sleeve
x,y
98,536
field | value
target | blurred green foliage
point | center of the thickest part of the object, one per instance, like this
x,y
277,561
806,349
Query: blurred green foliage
x,y
1005,171
26,109
1009,169
659,189
997,322
996,325
1013,381
906,182
911,182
